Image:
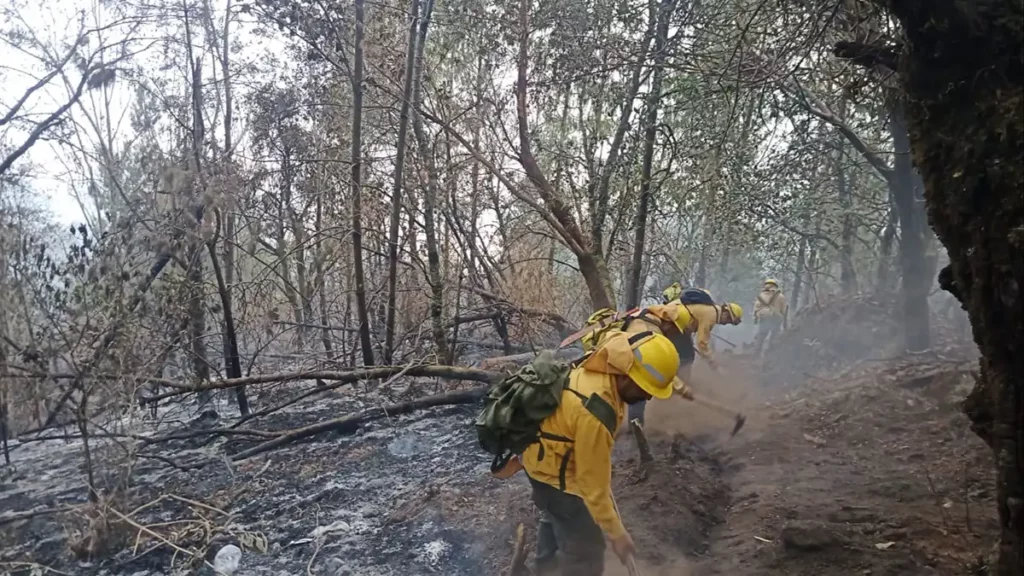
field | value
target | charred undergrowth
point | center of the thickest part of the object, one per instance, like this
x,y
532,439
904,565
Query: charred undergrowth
x,y
403,495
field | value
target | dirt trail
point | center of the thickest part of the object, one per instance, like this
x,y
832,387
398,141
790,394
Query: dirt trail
x,y
875,473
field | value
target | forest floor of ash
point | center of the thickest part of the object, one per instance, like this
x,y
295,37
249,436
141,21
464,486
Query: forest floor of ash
x,y
869,469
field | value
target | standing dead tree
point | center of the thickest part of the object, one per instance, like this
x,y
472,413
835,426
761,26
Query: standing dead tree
x,y
357,190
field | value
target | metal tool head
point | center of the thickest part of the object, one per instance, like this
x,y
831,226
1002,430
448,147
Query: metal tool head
x,y
740,421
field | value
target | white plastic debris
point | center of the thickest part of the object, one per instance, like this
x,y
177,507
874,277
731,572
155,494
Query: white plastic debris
x,y
434,551
227,559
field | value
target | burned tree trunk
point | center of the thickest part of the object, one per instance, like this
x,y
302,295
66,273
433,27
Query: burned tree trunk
x,y
589,257
917,275
357,190
635,287
798,276
434,280
848,273
885,249
5,418
321,282
283,250
194,273
963,74
232,360
396,192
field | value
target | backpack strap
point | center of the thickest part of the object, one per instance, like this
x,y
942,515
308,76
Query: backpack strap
x,y
690,312
499,462
644,316
601,410
577,362
605,414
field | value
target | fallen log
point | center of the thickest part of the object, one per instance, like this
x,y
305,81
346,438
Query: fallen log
x,y
349,424
435,371
458,320
26,372
521,359
316,391
8,517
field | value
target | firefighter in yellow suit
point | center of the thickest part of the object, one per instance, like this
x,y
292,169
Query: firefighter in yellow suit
x,y
770,313
679,322
571,481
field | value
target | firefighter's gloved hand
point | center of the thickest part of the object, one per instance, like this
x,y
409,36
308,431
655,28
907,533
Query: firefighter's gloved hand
x,y
623,546
683,390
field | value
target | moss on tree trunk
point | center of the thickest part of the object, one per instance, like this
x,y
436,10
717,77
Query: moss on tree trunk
x,y
962,70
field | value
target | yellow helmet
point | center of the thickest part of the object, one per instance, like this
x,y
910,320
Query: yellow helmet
x,y
734,311
655,362
772,281
673,292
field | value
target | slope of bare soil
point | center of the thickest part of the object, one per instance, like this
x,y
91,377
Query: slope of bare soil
x,y
872,472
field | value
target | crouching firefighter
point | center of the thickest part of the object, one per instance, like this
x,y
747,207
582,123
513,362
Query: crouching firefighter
x,y
558,422
693,312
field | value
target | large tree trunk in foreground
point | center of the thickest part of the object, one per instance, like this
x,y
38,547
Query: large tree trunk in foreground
x,y
961,70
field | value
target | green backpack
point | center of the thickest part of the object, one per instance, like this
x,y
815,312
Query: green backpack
x,y
515,408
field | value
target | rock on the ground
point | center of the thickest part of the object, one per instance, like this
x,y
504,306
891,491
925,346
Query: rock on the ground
x,y
807,537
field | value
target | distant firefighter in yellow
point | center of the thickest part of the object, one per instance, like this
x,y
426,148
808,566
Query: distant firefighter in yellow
x,y
770,313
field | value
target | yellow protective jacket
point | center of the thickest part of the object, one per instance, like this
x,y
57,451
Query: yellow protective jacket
x,y
648,319
654,317
703,318
770,302
583,467
699,319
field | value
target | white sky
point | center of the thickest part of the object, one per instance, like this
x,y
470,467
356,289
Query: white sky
x,y
56,23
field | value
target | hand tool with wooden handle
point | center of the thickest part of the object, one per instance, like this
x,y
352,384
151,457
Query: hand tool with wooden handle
x,y
631,566
575,336
630,561
738,416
